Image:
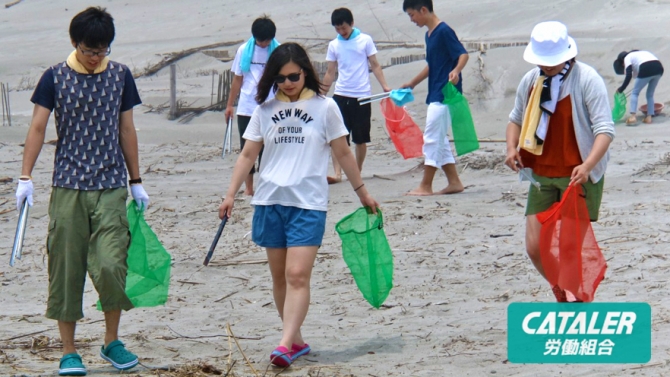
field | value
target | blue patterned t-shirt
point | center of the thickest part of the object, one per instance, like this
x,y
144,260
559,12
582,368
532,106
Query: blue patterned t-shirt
x,y
87,109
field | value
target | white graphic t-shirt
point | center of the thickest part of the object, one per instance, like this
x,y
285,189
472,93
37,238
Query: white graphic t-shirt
x,y
297,138
247,102
353,74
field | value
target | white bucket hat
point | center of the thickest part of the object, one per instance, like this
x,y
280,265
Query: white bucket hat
x,y
550,45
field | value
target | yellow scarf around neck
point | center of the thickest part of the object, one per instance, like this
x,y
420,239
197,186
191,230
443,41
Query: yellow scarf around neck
x,y
304,94
73,63
531,119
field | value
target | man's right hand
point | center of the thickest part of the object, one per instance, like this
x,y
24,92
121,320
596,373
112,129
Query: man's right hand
x,y
24,192
229,113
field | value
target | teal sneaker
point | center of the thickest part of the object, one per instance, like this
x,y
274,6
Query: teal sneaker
x,y
71,365
117,354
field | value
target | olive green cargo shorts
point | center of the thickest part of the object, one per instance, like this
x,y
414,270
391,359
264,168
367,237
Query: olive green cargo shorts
x,y
88,231
552,190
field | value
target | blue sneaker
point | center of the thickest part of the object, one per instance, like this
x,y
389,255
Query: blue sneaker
x,y
117,354
71,365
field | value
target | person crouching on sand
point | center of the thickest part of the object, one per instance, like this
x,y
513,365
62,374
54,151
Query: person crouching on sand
x,y
298,129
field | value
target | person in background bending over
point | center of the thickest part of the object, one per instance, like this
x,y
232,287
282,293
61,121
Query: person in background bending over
x,y
647,71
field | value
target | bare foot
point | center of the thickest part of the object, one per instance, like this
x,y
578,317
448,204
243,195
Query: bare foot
x,y
631,120
647,119
451,189
419,192
335,179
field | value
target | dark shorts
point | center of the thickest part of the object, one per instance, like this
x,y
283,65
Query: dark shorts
x,y
356,118
278,226
242,123
552,190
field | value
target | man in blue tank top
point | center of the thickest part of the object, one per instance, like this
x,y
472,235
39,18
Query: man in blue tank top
x,y
446,58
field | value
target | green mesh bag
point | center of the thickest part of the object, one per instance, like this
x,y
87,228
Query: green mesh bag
x,y
148,276
619,109
367,254
462,126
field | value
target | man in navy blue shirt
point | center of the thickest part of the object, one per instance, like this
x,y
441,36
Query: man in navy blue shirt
x,y
96,158
446,58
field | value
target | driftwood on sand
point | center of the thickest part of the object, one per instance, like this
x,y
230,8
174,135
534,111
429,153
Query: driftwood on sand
x,y
175,56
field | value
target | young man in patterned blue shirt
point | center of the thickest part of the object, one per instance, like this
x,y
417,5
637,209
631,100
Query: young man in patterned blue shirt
x,y
92,99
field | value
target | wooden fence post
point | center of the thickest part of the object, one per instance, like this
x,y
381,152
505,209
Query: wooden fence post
x,y
4,98
211,96
173,92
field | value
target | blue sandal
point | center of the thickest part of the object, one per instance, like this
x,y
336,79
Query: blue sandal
x,y
117,354
71,365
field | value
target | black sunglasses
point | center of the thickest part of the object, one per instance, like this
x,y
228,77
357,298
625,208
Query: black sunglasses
x,y
293,77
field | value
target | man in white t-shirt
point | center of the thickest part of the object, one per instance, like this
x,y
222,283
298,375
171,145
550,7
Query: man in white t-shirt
x,y
248,68
348,56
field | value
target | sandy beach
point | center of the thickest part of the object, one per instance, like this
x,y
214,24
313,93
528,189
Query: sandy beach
x,y
459,260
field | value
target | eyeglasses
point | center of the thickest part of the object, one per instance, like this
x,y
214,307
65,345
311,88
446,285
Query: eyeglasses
x,y
293,77
91,53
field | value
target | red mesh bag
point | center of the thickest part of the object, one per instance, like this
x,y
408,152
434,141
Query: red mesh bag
x,y
569,252
405,134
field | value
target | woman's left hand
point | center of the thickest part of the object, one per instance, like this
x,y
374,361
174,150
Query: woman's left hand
x,y
368,201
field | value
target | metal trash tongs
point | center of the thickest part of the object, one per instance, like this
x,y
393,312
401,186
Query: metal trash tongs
x,y
228,139
20,233
373,98
208,257
526,174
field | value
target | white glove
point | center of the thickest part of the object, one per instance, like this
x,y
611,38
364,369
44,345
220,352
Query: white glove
x,y
24,191
141,197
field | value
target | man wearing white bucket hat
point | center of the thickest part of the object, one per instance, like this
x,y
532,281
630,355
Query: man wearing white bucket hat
x,y
561,127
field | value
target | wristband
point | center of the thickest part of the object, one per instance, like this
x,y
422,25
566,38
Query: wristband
x,y
135,181
357,188
26,177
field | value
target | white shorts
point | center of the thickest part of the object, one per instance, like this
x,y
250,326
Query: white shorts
x,y
436,148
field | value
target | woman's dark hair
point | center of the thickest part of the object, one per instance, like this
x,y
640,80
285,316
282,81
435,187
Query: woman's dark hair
x,y
619,62
93,27
341,16
283,54
263,29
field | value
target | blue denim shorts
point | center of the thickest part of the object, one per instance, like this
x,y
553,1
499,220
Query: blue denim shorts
x,y
278,226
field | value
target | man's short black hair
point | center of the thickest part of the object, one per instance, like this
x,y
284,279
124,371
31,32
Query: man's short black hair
x,y
263,29
93,27
342,16
417,5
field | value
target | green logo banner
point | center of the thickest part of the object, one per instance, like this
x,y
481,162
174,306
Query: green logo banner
x,y
579,333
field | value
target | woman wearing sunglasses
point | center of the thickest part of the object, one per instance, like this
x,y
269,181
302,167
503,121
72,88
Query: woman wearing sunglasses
x,y
298,128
